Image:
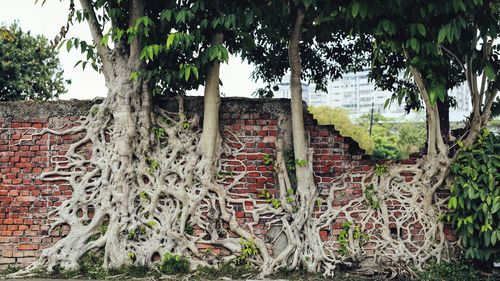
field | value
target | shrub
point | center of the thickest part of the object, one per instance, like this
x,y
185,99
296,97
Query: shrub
x,y
452,271
174,264
475,198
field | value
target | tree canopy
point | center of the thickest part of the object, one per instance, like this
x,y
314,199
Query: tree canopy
x,y
29,66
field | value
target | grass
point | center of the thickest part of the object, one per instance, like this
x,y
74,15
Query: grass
x,y
91,268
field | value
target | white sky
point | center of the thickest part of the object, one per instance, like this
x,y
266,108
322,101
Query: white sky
x,y
86,84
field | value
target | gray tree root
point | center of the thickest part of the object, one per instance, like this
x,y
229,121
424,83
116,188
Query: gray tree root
x,y
155,196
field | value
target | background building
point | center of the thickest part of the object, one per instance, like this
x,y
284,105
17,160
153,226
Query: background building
x,y
356,94
284,90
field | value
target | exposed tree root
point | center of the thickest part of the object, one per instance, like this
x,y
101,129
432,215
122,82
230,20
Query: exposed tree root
x,y
158,196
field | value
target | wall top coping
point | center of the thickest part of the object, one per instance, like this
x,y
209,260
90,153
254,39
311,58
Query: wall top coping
x,y
193,104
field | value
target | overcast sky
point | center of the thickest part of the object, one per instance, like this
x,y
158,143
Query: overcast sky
x,y
48,19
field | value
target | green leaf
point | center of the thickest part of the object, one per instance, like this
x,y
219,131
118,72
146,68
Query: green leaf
x,y
421,29
489,71
442,35
166,15
170,40
452,203
355,9
69,44
415,45
187,72
195,71
363,9
495,208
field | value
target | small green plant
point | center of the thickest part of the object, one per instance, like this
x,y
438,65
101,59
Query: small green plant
x,y
290,162
186,125
343,239
248,250
475,198
131,256
91,265
223,174
131,234
153,165
159,132
276,203
267,159
318,202
143,195
370,195
269,198
264,194
188,229
381,169
173,264
289,200
301,162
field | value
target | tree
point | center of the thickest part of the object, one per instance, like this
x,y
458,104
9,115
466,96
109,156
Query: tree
x,y
151,174
439,40
29,67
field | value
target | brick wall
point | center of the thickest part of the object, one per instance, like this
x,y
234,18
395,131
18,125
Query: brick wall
x,y
25,201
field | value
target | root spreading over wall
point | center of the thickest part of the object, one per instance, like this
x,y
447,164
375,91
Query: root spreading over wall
x,y
146,191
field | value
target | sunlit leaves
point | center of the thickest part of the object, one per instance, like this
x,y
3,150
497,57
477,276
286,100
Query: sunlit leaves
x,y
186,70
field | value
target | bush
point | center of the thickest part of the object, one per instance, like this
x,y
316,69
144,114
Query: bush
x,y
475,201
174,264
452,271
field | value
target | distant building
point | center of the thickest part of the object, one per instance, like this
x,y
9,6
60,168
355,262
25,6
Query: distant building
x,y
284,89
356,94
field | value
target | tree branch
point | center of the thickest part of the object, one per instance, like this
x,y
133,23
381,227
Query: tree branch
x,y
96,32
454,56
95,28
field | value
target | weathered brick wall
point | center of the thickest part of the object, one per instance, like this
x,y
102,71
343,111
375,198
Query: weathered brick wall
x,y
25,201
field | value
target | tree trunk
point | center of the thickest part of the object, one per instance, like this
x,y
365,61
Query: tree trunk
x,y
303,167
444,119
210,138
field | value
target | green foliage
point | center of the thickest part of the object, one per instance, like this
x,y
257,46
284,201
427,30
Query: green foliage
x,y
343,237
188,229
452,271
301,162
327,47
227,270
173,264
386,147
370,195
269,198
248,250
153,165
159,132
389,140
267,159
29,67
340,119
475,197
381,169
91,265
